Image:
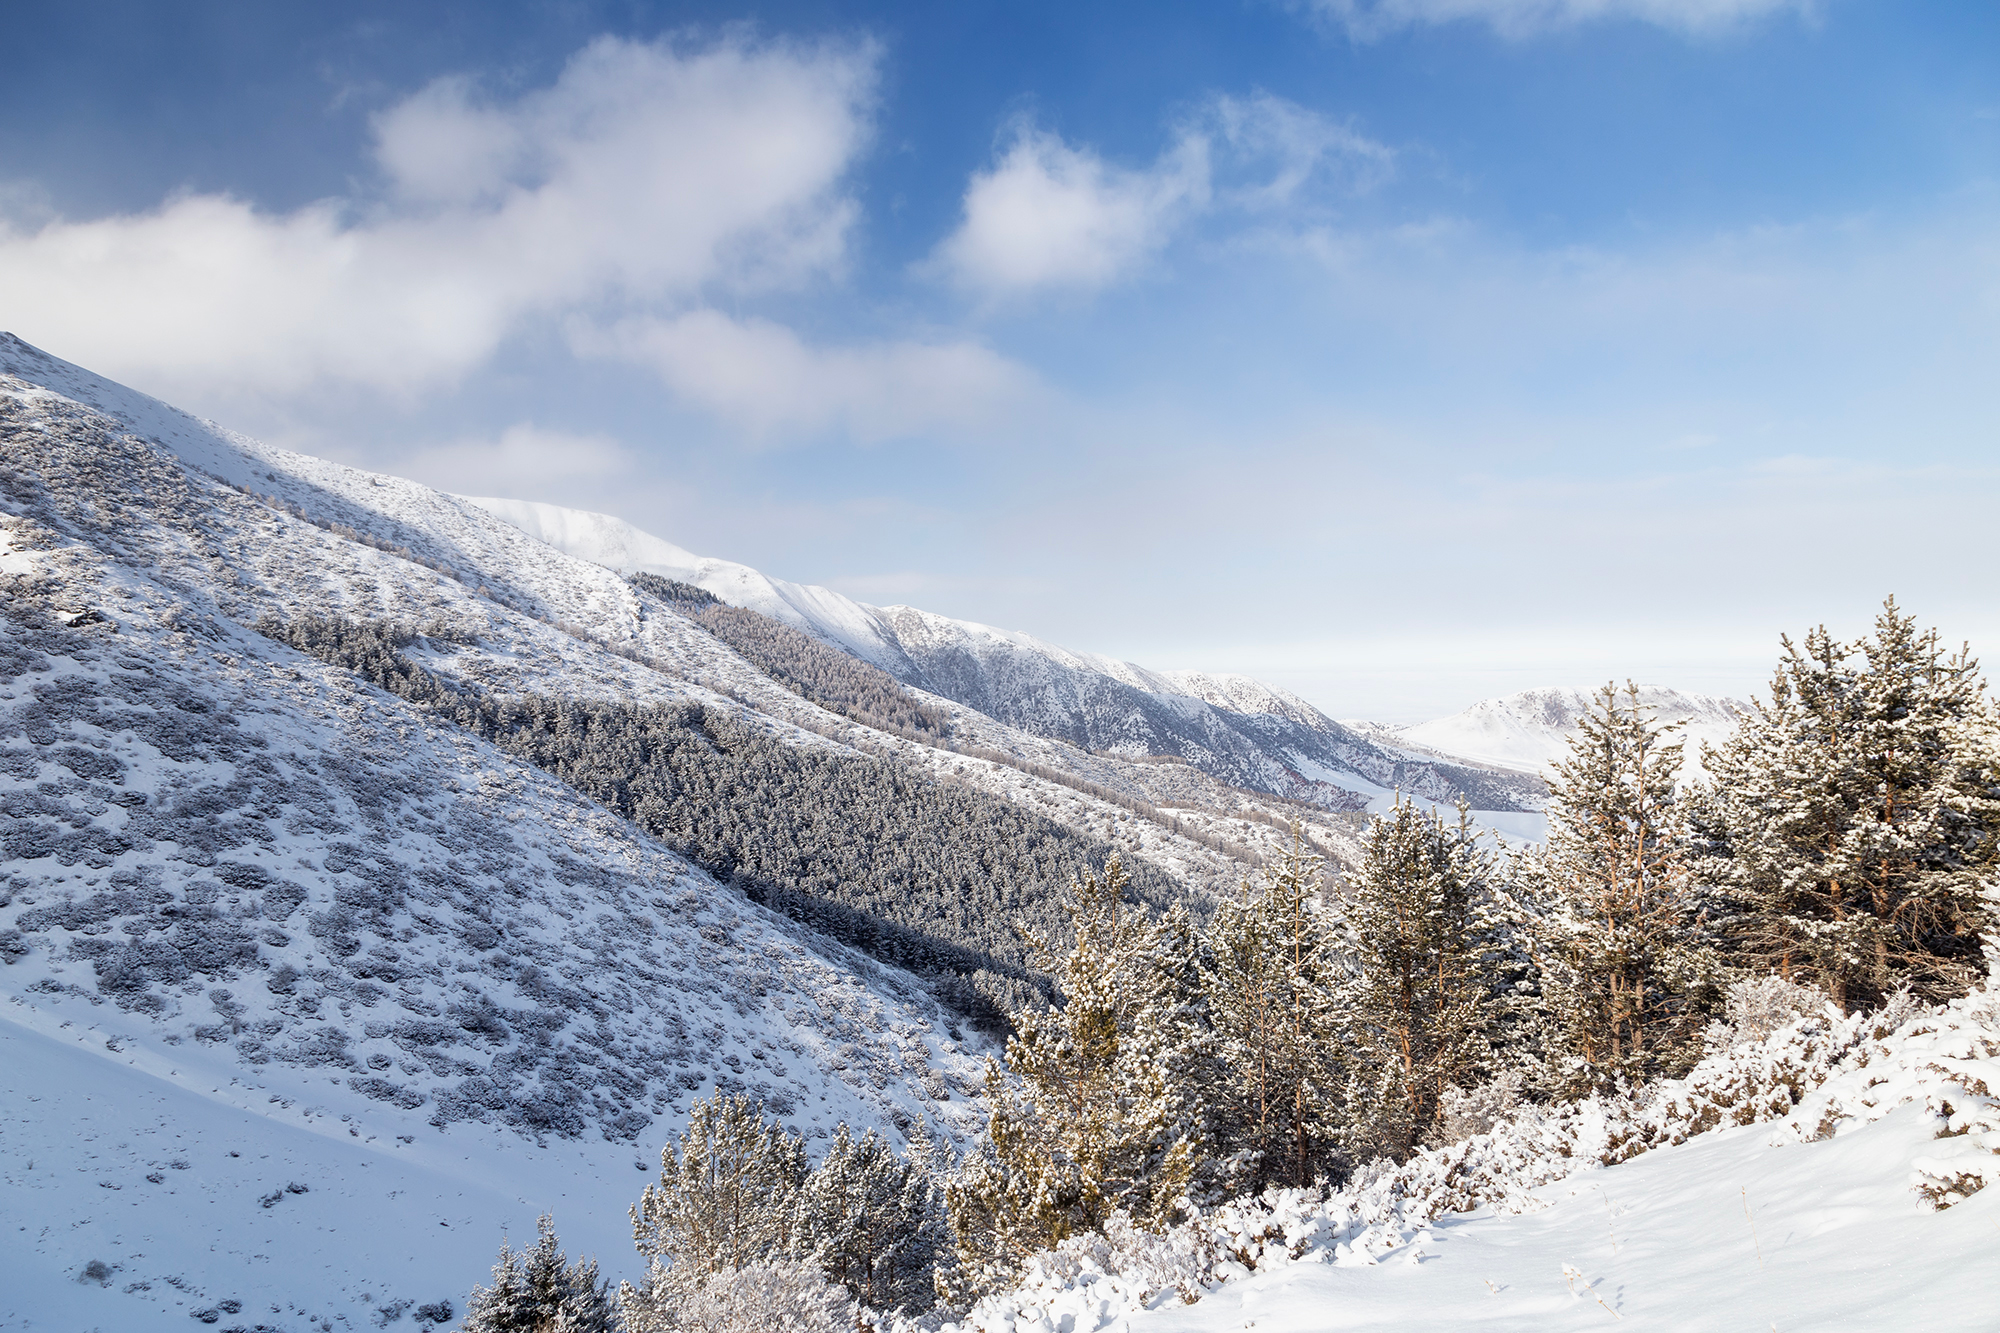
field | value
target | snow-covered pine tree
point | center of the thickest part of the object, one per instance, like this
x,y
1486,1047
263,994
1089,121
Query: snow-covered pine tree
x,y
1077,1113
723,1200
1174,1034
539,1290
926,1250
1855,815
1627,977
1273,978
866,1218
1417,1014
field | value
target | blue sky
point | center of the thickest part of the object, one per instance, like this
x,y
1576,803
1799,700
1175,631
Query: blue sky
x,y
1399,351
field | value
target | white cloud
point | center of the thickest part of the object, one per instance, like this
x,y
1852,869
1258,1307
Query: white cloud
x,y
1049,215
1369,19
763,379
525,460
645,174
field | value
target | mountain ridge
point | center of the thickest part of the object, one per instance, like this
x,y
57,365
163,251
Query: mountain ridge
x,y
1242,731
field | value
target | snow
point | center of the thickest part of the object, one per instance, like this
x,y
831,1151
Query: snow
x,y
160,754
381,1225
677,970
1788,1182
1531,730
616,544
400,1208
718,989
1832,1239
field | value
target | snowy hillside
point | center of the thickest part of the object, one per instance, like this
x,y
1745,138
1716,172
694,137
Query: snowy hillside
x,y
1530,730
1238,730
1826,1176
300,916
377,545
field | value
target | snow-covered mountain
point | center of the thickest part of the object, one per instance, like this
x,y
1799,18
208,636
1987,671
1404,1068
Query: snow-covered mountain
x,y
1241,731
616,544
1530,730
308,994
264,925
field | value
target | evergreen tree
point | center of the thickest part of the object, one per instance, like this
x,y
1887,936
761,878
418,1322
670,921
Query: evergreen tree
x,y
1417,1014
724,1199
1854,814
1626,977
1174,1034
540,1291
1079,1114
1271,988
869,1220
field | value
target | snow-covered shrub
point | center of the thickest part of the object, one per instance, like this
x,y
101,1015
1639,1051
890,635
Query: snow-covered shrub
x,y
779,1293
1818,1072
1469,1111
1757,1007
1949,1060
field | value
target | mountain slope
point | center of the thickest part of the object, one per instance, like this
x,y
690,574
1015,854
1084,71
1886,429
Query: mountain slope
x,y
231,859
354,917
1240,731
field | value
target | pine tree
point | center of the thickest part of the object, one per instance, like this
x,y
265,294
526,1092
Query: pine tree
x,y
724,1200
1174,1035
1078,1116
1626,976
1271,987
869,1220
1417,1014
540,1291
1854,816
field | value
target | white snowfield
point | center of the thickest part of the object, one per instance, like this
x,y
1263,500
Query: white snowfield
x,y
1830,1177
1529,731
1722,1233
176,1175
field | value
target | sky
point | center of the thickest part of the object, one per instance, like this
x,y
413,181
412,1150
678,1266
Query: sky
x,y
1400,352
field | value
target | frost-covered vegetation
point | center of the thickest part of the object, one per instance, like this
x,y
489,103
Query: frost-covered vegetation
x,y
1330,1069
831,678
1821,1074
933,876
1586,999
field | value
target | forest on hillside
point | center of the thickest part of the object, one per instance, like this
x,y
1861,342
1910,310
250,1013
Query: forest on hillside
x,y
1837,863
928,874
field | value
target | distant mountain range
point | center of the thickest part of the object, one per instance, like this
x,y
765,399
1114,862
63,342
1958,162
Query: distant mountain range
x,y
1531,730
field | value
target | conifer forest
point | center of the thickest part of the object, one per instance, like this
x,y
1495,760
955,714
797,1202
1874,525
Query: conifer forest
x,y
1328,1021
